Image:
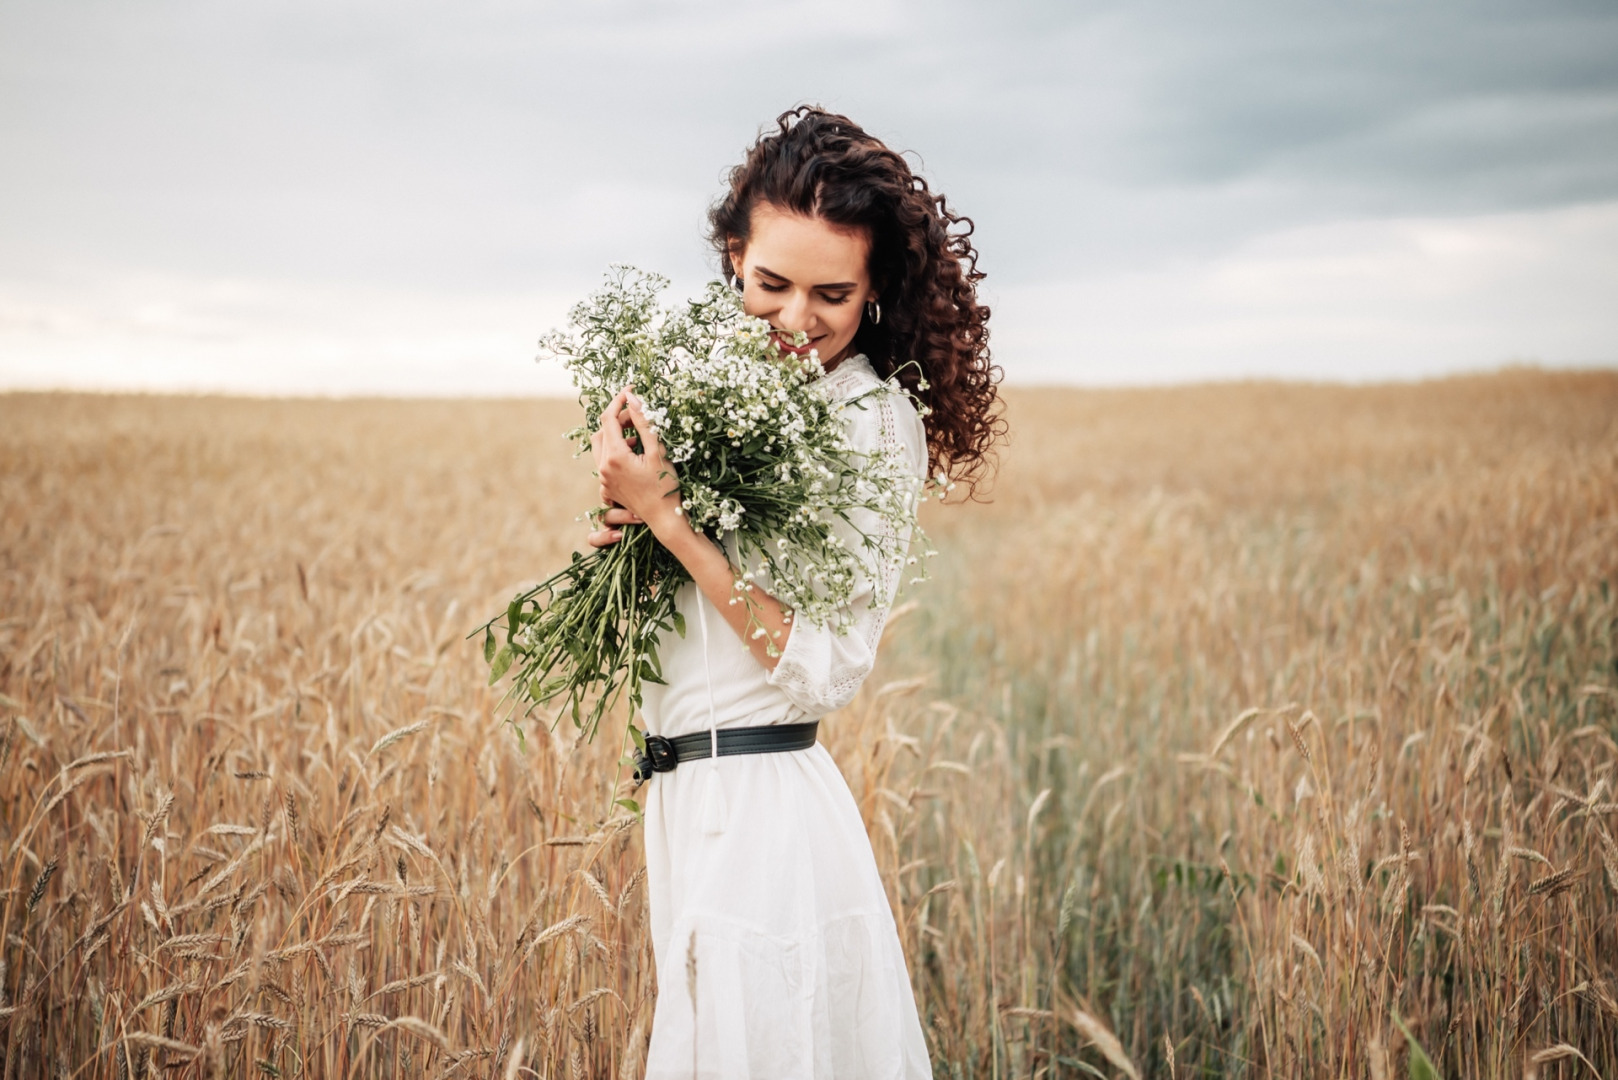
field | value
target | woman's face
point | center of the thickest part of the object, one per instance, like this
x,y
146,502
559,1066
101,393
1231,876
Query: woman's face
x,y
801,273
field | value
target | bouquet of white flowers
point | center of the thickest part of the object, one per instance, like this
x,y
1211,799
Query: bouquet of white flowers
x,y
765,470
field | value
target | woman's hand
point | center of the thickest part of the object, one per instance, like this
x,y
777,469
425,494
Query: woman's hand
x,y
642,489
636,488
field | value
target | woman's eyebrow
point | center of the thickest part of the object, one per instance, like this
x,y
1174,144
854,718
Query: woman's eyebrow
x,y
834,286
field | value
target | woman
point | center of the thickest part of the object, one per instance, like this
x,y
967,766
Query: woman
x,y
777,954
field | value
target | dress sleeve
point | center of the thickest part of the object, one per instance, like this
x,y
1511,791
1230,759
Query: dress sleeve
x,y
820,669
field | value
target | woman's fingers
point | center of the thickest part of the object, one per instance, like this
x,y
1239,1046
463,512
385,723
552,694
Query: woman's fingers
x,y
611,451
650,443
610,413
612,426
613,518
630,478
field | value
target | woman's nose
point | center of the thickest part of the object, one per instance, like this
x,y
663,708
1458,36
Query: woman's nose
x,y
795,313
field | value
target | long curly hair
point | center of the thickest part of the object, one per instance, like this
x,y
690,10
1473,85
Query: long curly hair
x,y
934,335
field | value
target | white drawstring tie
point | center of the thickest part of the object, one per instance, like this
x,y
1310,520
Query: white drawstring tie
x,y
713,799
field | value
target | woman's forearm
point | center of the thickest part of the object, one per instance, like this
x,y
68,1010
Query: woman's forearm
x,y
756,616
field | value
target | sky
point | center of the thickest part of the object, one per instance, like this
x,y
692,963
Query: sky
x,y
357,197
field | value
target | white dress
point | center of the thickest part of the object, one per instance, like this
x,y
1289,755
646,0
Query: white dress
x,y
763,889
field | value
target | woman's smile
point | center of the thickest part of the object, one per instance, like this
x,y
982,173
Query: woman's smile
x,y
784,342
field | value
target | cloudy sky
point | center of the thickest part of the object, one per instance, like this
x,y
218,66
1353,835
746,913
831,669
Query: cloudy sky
x,y
399,197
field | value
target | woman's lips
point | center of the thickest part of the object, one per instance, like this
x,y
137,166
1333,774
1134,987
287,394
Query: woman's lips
x,y
783,341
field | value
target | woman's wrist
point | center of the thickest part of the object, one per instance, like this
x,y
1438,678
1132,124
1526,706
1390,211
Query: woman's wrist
x,y
668,524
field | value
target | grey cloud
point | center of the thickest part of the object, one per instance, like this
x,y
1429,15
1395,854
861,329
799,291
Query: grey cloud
x,y
1339,95
401,125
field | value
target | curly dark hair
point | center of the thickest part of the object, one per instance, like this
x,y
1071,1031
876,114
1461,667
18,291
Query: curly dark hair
x,y
934,335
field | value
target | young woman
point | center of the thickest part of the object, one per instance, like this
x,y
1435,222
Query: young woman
x,y
777,954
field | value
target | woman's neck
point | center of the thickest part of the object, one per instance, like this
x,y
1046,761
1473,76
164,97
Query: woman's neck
x,y
829,366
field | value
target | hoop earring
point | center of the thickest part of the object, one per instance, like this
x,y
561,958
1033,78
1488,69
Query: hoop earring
x,y
873,312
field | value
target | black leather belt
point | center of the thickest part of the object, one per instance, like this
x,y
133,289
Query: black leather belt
x,y
662,754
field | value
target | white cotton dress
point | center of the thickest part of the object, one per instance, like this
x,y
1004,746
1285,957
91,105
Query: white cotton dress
x,y
763,888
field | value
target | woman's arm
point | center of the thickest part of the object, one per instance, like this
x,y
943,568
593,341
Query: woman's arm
x,y
645,491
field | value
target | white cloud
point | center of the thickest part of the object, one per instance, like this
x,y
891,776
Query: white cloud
x,y
255,337
1392,298
1356,300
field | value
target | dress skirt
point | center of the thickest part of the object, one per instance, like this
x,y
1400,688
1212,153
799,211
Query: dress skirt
x,y
766,901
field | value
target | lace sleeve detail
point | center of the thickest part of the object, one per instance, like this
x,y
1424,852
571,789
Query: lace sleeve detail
x,y
820,669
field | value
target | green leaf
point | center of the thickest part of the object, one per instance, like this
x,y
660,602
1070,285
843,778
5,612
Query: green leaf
x,y
679,622
648,674
488,645
500,664
1420,1066
628,804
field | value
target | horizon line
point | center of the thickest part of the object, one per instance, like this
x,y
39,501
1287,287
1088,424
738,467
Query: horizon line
x,y
1014,385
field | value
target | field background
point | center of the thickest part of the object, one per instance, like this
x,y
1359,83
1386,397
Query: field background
x,y
1242,720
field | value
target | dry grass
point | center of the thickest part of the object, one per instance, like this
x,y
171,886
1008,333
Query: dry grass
x,y
1243,719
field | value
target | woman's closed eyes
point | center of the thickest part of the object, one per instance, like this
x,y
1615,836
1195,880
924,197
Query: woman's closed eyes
x,y
830,298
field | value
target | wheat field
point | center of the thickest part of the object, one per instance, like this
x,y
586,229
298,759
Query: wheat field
x,y
1251,730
